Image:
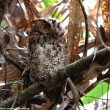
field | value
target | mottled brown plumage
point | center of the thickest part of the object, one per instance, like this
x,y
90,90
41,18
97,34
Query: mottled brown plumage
x,y
47,48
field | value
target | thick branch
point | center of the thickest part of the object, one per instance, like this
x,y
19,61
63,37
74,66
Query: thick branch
x,y
52,85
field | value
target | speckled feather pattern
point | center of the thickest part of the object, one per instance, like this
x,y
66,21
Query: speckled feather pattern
x,y
47,49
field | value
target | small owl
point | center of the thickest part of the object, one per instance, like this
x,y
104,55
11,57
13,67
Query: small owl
x,y
47,48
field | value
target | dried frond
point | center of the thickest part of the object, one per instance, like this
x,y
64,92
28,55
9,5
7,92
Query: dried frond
x,y
73,36
105,6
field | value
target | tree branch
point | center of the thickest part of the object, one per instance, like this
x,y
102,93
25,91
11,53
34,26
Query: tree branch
x,y
52,85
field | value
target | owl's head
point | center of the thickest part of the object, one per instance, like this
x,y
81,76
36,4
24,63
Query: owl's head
x,y
47,26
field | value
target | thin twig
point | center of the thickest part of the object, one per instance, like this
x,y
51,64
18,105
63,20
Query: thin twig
x,y
14,101
73,90
65,18
86,27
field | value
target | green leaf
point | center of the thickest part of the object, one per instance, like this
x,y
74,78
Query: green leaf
x,y
3,23
57,15
50,2
96,93
14,85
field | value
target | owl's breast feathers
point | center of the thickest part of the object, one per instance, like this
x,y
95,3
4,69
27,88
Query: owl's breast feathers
x,y
47,48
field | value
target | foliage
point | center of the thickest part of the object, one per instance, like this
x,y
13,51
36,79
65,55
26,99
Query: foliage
x,y
26,24
50,2
96,93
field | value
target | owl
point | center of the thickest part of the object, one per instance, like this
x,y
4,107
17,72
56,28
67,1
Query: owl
x,y
47,48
